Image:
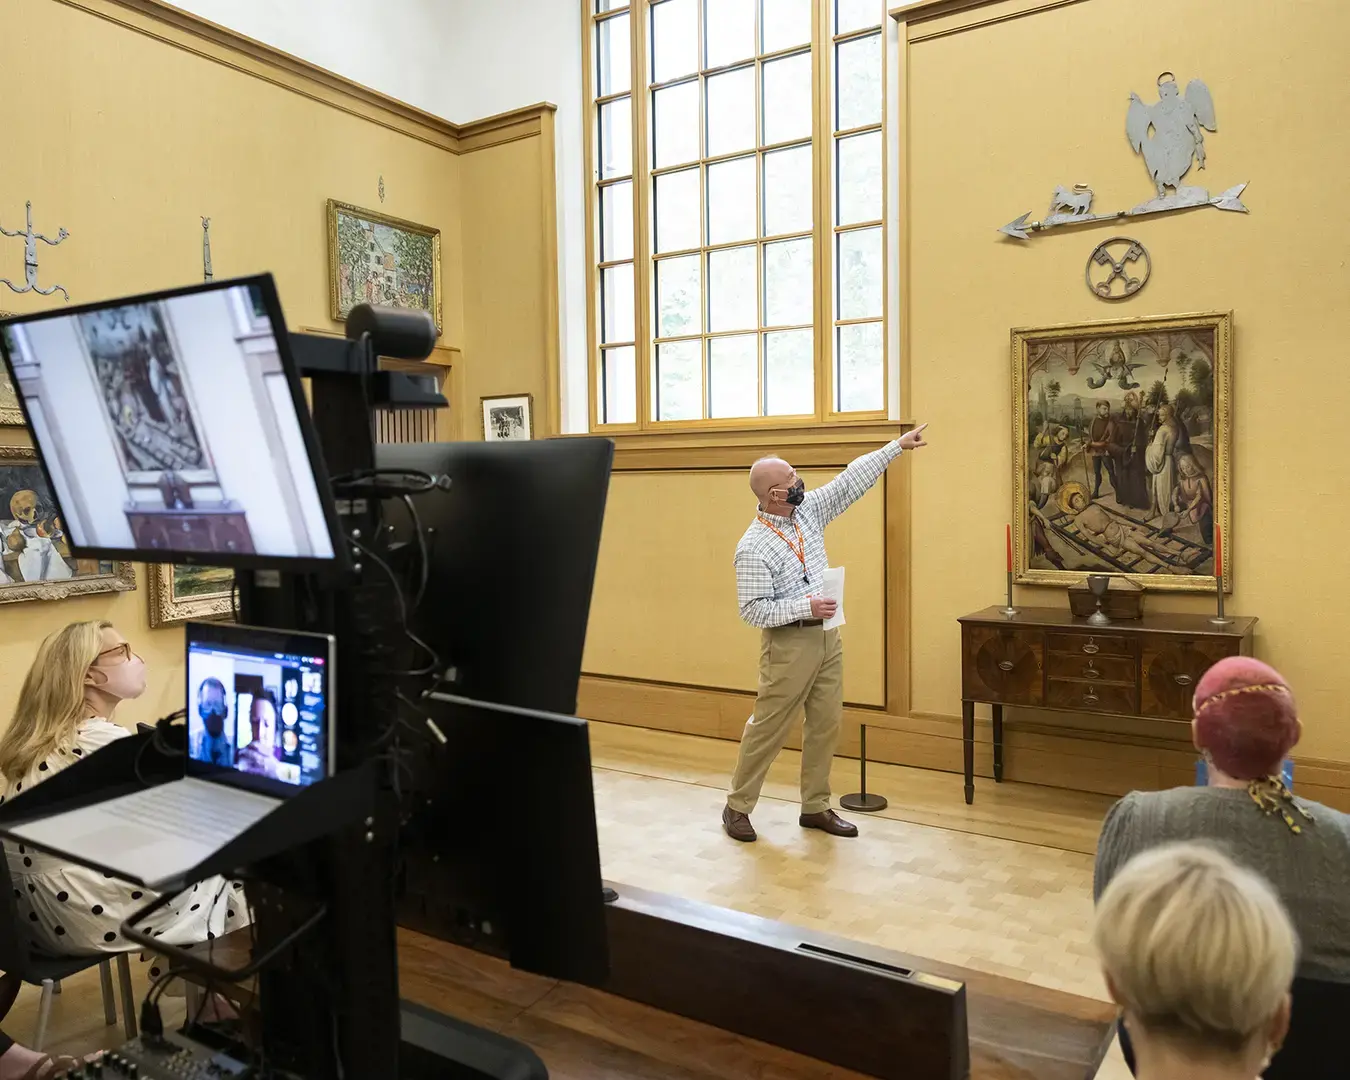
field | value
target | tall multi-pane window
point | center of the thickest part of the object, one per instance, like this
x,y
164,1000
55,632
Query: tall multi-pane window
x,y
736,209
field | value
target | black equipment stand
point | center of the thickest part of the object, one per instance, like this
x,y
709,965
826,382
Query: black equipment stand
x,y
862,801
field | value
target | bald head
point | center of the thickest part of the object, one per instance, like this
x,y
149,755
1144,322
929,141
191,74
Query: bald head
x,y
770,474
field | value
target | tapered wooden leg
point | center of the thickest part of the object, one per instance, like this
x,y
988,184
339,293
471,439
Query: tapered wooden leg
x,y
968,746
998,743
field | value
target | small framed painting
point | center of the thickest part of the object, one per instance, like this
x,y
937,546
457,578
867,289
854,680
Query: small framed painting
x,y
10,413
180,594
508,419
377,259
36,562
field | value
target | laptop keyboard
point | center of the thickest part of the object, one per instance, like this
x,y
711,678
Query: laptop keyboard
x,y
182,812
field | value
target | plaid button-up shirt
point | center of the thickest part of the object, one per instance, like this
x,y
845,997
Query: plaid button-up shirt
x,y
769,585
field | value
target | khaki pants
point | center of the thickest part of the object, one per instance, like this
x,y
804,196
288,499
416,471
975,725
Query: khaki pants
x,y
800,667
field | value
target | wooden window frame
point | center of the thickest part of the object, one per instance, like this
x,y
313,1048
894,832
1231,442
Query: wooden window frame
x,y
823,141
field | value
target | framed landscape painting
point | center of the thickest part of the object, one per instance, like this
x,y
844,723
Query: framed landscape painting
x,y
10,413
35,558
181,594
1122,451
377,259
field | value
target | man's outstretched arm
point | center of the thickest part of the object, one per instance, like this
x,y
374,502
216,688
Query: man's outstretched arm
x,y
830,500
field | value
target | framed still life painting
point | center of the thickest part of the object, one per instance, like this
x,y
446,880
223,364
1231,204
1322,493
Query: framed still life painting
x,y
35,558
181,594
377,259
1122,450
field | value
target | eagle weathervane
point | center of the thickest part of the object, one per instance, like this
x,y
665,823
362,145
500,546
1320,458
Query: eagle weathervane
x,y
1170,135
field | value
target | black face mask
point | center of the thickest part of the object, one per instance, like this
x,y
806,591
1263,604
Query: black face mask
x,y
795,494
213,719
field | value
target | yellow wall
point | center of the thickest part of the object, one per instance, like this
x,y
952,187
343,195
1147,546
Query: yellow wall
x,y
664,607
127,137
1001,113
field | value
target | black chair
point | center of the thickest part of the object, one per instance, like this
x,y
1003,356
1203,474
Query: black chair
x,y
23,963
1311,1050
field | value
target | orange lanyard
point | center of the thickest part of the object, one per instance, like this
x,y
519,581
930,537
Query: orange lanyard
x,y
799,550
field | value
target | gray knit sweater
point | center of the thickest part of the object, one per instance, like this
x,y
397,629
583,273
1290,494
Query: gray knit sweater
x,y
1310,870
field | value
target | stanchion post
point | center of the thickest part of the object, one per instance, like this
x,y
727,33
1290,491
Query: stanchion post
x,y
860,801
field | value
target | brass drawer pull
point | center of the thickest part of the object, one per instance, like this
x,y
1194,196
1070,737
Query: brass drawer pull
x,y
1091,648
1182,680
1091,672
1006,665
1090,697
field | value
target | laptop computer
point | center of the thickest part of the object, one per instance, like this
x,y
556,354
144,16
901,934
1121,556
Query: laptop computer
x,y
261,727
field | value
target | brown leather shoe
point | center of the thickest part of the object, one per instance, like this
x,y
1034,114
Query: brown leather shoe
x,y
828,821
738,826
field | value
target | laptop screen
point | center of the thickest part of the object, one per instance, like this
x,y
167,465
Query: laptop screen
x,y
260,706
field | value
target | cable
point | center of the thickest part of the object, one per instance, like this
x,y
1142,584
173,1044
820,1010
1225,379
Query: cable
x,y
157,741
422,551
420,482
435,665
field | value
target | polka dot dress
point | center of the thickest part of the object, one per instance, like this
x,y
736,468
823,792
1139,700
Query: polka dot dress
x,y
71,910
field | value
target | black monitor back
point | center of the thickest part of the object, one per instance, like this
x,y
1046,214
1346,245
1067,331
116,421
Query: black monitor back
x,y
502,852
513,548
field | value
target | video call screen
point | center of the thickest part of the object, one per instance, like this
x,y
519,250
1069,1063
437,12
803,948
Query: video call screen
x,y
170,424
262,713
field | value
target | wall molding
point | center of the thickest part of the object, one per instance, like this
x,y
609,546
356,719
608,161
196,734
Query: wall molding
x,y
182,30
1050,754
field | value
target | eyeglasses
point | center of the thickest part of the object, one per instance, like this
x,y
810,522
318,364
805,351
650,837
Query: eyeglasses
x,y
120,653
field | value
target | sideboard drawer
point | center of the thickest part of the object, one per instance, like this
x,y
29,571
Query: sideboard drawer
x,y
1088,696
1091,644
1111,669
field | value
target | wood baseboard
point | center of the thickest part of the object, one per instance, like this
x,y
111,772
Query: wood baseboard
x,y
1051,752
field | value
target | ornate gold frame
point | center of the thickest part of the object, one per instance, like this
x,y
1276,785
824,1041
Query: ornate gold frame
x,y
1218,321
380,219
10,415
167,610
122,579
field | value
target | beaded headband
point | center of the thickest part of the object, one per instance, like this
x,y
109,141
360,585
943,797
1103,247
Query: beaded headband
x,y
1278,688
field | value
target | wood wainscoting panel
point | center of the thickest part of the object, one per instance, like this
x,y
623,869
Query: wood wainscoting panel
x,y
1037,750
664,605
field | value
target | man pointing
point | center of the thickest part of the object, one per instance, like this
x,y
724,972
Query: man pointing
x,y
780,564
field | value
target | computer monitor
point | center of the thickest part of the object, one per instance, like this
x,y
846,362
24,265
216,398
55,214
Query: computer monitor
x,y
512,544
261,707
170,427
505,856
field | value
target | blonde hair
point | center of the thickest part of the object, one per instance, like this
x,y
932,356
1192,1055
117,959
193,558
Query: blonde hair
x,y
1199,950
51,703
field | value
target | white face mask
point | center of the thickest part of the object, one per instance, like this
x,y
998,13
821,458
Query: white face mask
x,y
122,680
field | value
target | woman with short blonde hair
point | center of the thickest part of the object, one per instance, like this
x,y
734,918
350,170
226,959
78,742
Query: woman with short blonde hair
x,y
1200,955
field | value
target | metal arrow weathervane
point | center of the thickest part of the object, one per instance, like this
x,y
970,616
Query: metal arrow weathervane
x,y
1169,134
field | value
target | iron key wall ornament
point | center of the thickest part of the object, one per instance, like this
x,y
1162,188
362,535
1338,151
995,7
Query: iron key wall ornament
x,y
30,261
1113,265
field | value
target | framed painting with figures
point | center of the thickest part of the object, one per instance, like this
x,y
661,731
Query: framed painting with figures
x,y
35,559
508,419
1122,450
181,594
377,259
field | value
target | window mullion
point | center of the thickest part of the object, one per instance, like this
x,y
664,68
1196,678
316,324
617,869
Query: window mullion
x,y
639,18
821,146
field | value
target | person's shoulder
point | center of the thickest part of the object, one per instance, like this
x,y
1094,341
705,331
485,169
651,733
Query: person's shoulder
x,y
96,732
749,543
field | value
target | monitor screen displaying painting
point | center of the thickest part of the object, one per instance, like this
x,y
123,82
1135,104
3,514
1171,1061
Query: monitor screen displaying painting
x,y
260,704
173,428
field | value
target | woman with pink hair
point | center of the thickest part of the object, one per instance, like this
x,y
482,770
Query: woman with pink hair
x,y
1246,722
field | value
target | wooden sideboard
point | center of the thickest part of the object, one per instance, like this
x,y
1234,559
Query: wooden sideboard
x,y
1045,658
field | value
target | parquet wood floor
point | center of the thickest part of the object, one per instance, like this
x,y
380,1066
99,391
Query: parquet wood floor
x,y
1002,886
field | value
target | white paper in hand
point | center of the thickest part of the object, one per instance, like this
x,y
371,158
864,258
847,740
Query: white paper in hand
x,y
832,586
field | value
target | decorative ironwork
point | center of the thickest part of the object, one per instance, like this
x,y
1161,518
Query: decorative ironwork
x,y
1121,267
207,272
30,261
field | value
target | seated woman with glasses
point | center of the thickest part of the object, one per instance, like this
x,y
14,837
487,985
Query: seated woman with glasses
x,y
65,711
1200,955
